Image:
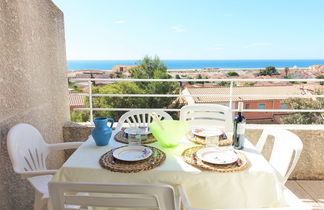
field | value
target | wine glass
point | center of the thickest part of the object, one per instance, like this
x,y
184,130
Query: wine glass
x,y
135,138
212,141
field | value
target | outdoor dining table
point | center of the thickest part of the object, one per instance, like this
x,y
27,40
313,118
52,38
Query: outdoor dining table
x,y
255,187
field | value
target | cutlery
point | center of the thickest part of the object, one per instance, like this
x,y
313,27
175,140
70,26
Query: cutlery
x,y
152,161
194,158
238,162
113,160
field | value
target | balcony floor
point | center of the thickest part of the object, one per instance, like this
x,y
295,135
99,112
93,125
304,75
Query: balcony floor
x,y
309,191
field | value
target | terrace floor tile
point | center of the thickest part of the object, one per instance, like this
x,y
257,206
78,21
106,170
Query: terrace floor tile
x,y
309,191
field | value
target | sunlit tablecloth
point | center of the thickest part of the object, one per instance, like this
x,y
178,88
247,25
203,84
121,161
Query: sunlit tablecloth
x,y
257,186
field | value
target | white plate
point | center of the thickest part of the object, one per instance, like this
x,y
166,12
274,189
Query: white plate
x,y
132,153
134,130
207,132
216,155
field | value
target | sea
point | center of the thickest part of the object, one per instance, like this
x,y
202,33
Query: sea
x,y
194,64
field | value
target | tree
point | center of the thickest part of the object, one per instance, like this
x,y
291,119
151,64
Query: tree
x,y
148,68
190,82
199,77
269,70
286,71
74,87
111,102
320,77
223,83
232,74
249,83
117,102
119,74
153,68
306,117
79,116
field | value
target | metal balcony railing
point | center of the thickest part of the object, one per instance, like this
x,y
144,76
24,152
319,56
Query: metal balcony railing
x,y
229,96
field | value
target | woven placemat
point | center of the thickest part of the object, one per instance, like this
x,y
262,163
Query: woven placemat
x,y
107,161
202,140
120,137
189,156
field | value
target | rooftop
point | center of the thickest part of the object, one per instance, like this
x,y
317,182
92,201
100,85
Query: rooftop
x,y
267,93
76,99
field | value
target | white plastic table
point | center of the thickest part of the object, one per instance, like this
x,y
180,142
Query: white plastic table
x,y
256,187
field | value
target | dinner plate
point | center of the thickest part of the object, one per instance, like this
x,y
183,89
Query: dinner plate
x,y
134,130
207,132
217,155
132,153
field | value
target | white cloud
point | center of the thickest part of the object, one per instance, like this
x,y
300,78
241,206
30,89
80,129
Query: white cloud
x,y
178,29
217,47
120,21
258,44
261,44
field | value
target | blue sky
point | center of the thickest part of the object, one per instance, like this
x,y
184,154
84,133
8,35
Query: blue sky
x,y
193,29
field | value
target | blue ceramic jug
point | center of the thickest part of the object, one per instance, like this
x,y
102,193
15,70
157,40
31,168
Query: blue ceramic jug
x,y
102,133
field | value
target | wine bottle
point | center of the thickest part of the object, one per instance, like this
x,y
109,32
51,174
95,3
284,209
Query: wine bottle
x,y
239,128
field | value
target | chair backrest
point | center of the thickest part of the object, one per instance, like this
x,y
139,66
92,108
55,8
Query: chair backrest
x,y
141,196
285,151
27,148
140,118
208,114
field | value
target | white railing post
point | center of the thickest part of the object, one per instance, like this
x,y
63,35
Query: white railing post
x,y
231,96
90,101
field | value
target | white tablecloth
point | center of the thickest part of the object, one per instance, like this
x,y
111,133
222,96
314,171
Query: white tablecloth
x,y
258,186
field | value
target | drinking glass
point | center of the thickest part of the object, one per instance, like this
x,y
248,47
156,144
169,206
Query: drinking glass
x,y
212,141
135,138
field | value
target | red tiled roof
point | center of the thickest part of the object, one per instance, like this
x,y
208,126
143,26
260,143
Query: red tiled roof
x,y
267,93
75,99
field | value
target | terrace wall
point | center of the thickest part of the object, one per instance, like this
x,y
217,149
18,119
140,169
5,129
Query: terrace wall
x,y
32,85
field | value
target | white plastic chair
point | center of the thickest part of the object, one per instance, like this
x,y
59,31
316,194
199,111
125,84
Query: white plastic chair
x,y
28,152
285,152
138,118
65,194
292,202
208,115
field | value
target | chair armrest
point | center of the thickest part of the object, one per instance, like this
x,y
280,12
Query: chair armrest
x,y
183,200
27,174
65,145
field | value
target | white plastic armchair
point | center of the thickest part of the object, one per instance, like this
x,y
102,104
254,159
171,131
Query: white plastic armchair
x,y
140,196
208,115
28,152
138,118
286,150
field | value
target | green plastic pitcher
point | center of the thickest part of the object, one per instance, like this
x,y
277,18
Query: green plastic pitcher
x,y
169,132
